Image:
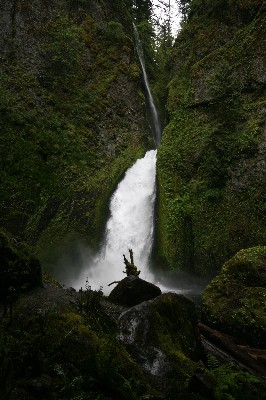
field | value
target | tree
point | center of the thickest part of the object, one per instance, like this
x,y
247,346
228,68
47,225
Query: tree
x,y
142,10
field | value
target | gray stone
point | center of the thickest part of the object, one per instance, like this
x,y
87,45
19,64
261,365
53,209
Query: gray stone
x,y
162,337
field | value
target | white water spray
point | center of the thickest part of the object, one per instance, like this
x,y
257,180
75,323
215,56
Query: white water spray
x,y
156,126
129,226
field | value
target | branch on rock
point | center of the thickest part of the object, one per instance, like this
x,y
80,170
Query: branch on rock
x,y
113,283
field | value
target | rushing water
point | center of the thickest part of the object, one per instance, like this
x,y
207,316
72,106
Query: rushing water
x,y
131,221
156,126
130,226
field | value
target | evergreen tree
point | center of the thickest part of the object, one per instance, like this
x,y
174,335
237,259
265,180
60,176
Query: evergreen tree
x,y
142,10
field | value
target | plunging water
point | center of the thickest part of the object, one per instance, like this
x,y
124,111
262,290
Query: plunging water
x,y
132,213
156,126
130,226
131,222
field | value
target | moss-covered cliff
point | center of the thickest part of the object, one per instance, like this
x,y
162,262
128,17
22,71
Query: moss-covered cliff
x,y
72,116
211,164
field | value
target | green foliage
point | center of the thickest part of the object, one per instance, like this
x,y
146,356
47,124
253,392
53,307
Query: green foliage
x,y
184,8
213,139
64,43
233,384
225,10
234,301
147,37
142,10
58,168
89,304
65,354
115,31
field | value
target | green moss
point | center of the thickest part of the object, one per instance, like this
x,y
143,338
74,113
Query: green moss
x,y
173,329
235,301
210,175
65,352
66,137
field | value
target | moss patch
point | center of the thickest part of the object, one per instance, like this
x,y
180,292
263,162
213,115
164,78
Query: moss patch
x,y
235,301
210,163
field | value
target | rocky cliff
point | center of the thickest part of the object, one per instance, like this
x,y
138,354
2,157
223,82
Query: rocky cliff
x,y
72,116
211,164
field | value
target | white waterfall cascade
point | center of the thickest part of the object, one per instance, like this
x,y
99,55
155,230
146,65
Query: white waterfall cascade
x,y
156,126
131,222
130,225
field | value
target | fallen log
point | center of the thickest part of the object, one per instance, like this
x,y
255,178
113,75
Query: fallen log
x,y
226,348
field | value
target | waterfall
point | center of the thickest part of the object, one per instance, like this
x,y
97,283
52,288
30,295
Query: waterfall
x,y
131,222
156,126
130,226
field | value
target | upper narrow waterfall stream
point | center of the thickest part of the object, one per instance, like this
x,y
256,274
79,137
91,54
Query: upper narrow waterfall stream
x,y
156,126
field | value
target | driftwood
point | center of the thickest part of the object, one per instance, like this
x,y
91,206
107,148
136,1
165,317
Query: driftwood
x,y
131,269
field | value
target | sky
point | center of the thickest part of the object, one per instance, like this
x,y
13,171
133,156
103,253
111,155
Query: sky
x,y
161,12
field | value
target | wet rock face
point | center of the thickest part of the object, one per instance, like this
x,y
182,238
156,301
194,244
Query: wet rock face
x,y
235,301
132,291
162,337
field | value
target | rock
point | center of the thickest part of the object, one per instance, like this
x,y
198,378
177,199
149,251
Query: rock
x,y
19,268
211,197
162,337
132,291
235,301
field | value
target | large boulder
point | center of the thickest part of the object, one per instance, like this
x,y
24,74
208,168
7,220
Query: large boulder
x,y
132,291
235,301
162,337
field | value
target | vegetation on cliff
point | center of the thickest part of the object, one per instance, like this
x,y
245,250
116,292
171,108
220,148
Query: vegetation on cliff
x,y
211,164
72,118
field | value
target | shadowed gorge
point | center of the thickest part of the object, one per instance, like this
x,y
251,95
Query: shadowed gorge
x,y
132,200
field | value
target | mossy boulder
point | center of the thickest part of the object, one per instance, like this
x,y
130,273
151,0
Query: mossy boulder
x,y
162,337
235,301
132,291
19,267
55,352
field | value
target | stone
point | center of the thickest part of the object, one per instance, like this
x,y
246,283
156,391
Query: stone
x,y
235,301
162,337
133,290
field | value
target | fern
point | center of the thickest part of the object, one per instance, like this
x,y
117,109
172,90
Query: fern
x,y
233,384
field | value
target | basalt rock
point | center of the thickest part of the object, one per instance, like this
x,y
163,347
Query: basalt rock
x,y
162,337
132,291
